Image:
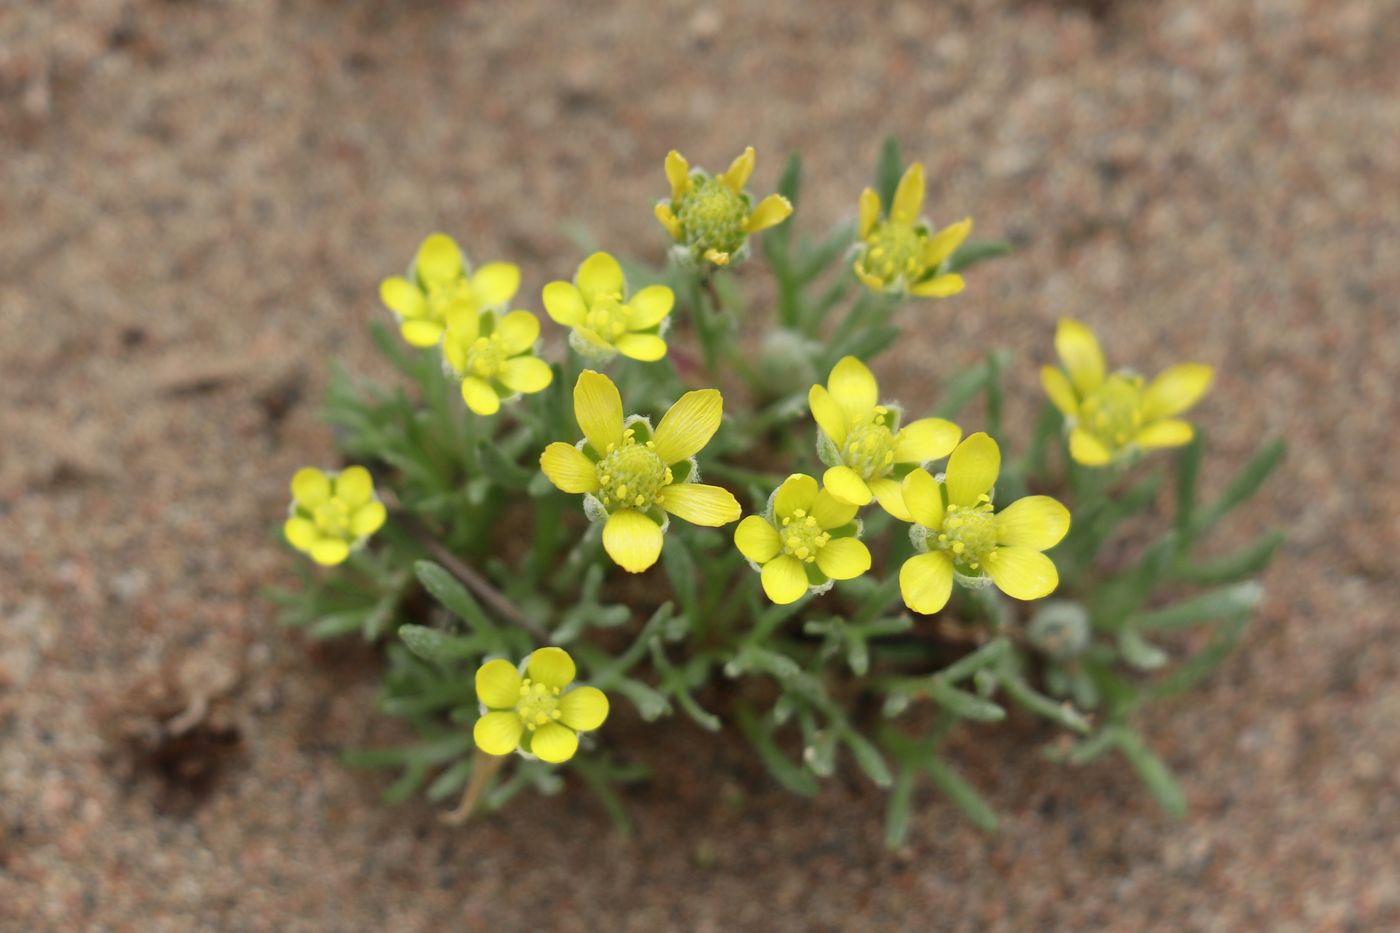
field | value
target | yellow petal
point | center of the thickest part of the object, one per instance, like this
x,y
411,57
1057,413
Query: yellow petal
x,y
1176,389
843,558
890,495
830,417
940,286
757,539
564,304
600,276
310,487
699,504
798,491
677,173
1022,572
945,242
402,297
632,540
854,388
689,425
926,582
872,282
329,551
770,212
650,306
301,532
923,497
552,667
1087,449
553,743
668,219
421,333
498,684
1170,432
568,469
1036,521
784,579
1059,391
648,348
973,469
463,324
830,512
598,408
368,519
583,709
1079,351
354,486
495,283
439,259
518,331
909,196
845,485
739,171
926,439
526,374
869,212
479,396
498,733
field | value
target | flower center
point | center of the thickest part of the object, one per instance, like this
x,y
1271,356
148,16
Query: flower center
x,y
486,356
712,216
631,475
447,293
538,704
895,250
869,448
607,317
970,533
1113,411
333,517
802,536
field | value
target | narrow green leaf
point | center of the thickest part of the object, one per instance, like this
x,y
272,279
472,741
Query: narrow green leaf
x,y
1245,484
868,757
1216,604
1248,561
964,704
971,252
446,590
1042,705
962,794
888,171
1154,773
1204,662
680,567
1139,652
1188,471
503,471
784,771
898,809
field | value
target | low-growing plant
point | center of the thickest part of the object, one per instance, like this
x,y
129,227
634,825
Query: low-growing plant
x,y
849,578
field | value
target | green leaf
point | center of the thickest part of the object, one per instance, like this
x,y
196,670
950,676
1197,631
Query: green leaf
x,y
1188,471
650,704
868,757
962,703
1204,662
784,771
451,594
1216,604
1042,705
430,644
888,171
971,252
1139,652
898,809
962,795
680,567
338,623
1245,484
1154,773
1237,565
504,472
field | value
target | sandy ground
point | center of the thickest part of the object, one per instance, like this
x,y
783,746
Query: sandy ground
x,y
198,198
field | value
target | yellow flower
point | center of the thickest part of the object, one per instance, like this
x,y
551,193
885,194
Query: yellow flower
x,y
604,319
332,513
1111,416
711,217
533,711
494,356
960,537
901,253
803,541
861,441
440,281
632,478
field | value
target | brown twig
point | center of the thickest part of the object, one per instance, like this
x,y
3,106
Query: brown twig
x,y
494,599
